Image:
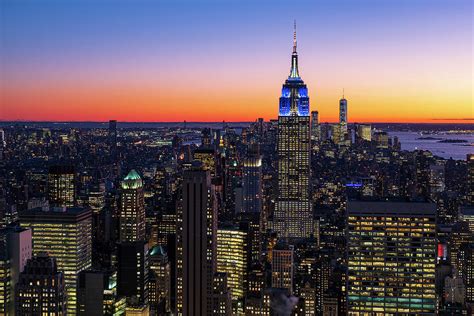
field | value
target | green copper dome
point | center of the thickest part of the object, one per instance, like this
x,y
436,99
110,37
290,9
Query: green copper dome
x,y
132,180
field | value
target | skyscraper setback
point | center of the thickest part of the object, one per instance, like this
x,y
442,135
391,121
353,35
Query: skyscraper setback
x,y
293,214
132,211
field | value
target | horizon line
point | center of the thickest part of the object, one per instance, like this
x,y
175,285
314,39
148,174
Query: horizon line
x,y
458,121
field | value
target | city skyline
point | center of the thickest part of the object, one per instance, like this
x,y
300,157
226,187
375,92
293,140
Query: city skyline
x,y
158,62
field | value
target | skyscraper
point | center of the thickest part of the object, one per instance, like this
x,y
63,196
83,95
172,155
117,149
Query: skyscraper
x,y
252,183
113,134
132,271
132,209
293,215
196,248
470,170
41,288
315,128
364,133
65,234
232,259
391,250
283,267
16,249
343,117
61,186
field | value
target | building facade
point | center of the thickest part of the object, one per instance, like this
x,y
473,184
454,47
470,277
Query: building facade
x,y
391,255
293,214
41,288
132,209
61,186
196,246
66,234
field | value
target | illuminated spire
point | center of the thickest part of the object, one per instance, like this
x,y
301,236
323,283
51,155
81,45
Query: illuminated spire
x,y
294,38
294,57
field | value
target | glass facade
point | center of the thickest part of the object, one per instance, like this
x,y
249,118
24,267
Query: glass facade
x,y
391,258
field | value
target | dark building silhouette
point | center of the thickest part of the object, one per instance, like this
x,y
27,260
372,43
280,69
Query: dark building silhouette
x,y
41,288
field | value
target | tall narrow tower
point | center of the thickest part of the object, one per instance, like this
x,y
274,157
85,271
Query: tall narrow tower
x,y
132,209
293,217
343,117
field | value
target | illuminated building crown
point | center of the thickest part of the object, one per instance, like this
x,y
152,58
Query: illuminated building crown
x,y
294,100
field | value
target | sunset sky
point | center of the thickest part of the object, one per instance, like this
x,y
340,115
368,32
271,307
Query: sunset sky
x,y
398,60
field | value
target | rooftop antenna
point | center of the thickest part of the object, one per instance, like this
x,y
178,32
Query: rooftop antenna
x,y
294,37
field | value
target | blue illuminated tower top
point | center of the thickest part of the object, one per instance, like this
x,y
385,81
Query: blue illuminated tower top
x,y
294,100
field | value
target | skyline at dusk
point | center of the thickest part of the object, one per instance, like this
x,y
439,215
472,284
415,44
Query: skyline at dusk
x,y
398,61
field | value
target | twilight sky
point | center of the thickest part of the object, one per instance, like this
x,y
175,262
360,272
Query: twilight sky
x,y
398,60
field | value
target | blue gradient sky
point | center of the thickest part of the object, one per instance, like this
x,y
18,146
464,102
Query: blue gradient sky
x,y
398,60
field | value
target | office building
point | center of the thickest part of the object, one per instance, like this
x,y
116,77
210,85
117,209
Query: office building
x,y
252,184
391,258
283,267
132,209
132,271
16,249
160,269
196,246
470,178
364,133
112,134
222,301
315,128
207,157
232,257
467,215
41,288
65,234
466,263
61,186
460,235
293,215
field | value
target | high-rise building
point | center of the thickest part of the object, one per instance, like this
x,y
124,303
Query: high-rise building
x,y
315,128
283,267
207,157
364,133
41,289
113,134
466,262
3,143
6,298
343,118
232,259
206,138
222,301
293,215
460,234
196,246
252,184
61,186
132,271
132,209
66,234
470,171
16,249
160,270
391,251
97,294
467,215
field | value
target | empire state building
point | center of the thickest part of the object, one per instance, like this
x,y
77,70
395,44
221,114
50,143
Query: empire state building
x,y
293,213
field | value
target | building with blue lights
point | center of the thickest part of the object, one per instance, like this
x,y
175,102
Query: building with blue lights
x,y
293,217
